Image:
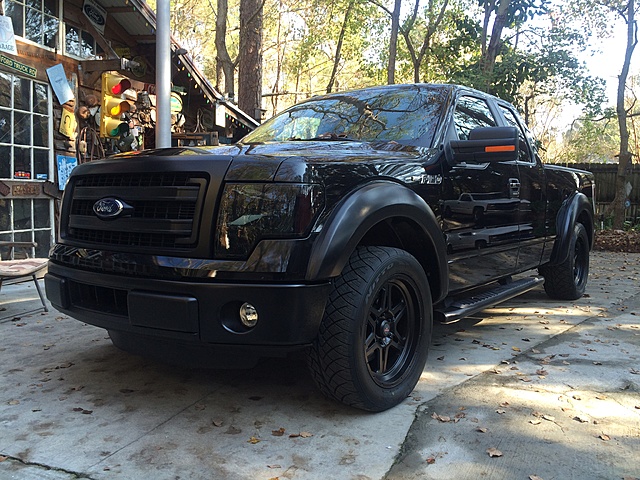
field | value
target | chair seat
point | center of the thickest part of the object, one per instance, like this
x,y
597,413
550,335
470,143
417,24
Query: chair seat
x,y
21,268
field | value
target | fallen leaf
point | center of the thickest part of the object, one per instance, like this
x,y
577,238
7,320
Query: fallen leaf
x,y
541,371
535,422
501,411
430,460
549,418
217,423
581,419
482,430
604,437
233,430
440,358
634,371
3,458
200,406
441,418
14,402
253,440
274,466
504,404
494,452
525,379
597,363
278,433
516,349
535,477
601,397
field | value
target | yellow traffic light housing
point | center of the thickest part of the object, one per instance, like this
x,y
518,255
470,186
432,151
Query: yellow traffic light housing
x,y
113,105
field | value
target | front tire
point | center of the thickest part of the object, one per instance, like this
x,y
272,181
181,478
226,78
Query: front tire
x,y
568,280
373,341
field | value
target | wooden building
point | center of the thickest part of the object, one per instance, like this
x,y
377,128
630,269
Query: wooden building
x,y
54,59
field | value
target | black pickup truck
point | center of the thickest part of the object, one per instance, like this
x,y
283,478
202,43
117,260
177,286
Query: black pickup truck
x,y
335,228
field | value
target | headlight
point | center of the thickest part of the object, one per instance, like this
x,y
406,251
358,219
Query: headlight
x,y
250,212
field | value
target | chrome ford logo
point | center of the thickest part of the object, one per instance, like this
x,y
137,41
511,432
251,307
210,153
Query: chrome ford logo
x,y
108,207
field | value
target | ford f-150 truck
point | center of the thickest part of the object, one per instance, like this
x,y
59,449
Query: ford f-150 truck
x,y
324,230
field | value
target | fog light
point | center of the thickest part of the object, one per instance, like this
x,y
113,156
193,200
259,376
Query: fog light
x,y
248,315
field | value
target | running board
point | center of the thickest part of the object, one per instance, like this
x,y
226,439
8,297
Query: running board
x,y
463,307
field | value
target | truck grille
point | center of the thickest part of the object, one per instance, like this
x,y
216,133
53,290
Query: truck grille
x,y
164,210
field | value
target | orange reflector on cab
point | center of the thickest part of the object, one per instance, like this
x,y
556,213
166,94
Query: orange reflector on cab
x,y
500,148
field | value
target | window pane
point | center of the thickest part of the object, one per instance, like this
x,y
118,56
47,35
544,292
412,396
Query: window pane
x,y
50,31
4,251
21,93
5,162
41,213
22,237
472,113
87,45
43,238
22,215
16,12
5,90
5,126
41,164
5,215
51,7
40,99
21,162
33,4
40,134
22,128
33,25
72,41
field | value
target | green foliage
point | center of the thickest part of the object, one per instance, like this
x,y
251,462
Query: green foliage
x,y
535,59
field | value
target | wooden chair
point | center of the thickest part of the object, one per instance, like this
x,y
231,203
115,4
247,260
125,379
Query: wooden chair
x,y
22,267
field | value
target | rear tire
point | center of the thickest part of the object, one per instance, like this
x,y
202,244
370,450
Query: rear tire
x,y
568,280
374,338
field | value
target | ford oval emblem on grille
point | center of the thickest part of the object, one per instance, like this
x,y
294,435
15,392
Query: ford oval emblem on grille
x,y
108,207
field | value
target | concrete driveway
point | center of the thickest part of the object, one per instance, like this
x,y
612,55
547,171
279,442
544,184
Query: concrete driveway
x,y
74,406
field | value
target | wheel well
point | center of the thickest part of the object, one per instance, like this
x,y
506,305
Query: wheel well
x,y
585,219
407,235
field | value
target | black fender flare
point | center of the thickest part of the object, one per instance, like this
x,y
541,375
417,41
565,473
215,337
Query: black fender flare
x,y
568,214
357,213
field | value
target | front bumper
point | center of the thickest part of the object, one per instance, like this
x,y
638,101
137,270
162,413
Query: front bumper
x,y
191,311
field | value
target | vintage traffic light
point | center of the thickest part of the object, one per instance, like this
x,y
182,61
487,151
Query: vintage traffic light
x,y
114,105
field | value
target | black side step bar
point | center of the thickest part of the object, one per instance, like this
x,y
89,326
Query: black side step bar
x,y
463,307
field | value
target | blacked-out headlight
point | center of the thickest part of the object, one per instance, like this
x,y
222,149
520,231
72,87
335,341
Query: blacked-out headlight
x,y
250,212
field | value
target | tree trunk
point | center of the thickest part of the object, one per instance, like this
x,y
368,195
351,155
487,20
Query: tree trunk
x,y
225,69
393,43
336,60
250,58
625,156
488,60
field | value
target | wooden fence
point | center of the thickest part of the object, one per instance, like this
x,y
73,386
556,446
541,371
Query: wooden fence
x,y
605,174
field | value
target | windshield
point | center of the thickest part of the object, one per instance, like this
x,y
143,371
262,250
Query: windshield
x,y
408,115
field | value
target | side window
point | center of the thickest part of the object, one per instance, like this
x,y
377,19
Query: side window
x,y
511,119
470,113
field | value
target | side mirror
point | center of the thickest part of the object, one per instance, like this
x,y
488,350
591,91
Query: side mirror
x,y
486,144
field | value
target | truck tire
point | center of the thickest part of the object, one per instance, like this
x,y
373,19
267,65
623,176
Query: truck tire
x,y
374,338
568,280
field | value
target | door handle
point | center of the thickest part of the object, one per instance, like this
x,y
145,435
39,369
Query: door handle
x,y
514,187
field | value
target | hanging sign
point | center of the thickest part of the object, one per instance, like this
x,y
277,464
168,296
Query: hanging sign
x,y
7,37
59,83
68,123
21,67
96,14
65,165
